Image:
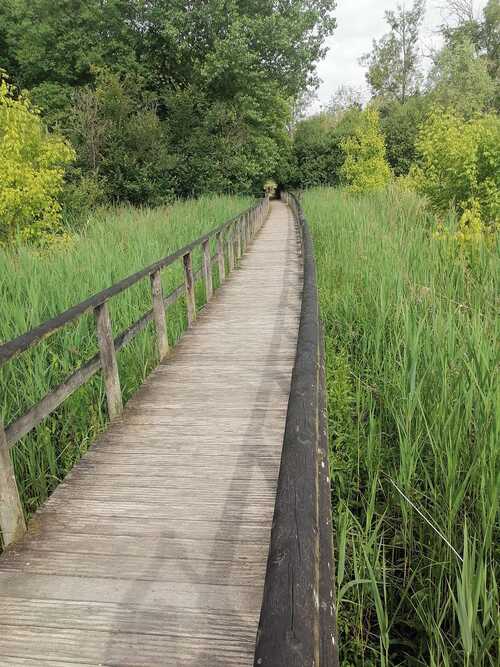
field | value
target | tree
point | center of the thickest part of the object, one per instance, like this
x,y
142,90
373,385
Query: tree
x,y
344,98
31,170
234,67
365,167
460,80
400,126
393,64
459,165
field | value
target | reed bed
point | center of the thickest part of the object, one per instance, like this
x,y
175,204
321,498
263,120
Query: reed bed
x,y
35,286
412,334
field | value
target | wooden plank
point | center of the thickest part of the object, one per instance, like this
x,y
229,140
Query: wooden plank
x,y
159,314
238,240
226,550
154,567
289,626
230,249
160,594
190,293
46,521
207,270
12,524
109,364
220,258
134,618
329,648
124,649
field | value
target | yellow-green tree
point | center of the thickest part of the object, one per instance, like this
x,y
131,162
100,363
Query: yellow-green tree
x,y
365,166
459,165
31,170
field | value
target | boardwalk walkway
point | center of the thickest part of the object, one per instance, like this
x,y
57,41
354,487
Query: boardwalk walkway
x,y
153,551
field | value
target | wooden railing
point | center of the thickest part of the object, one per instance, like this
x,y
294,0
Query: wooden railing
x,y
297,625
231,238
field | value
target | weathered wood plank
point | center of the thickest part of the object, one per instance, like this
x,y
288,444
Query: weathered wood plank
x,y
189,283
207,270
159,314
220,258
109,364
12,524
157,594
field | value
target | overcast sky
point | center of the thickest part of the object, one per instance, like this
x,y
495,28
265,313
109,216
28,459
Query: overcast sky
x,y
359,22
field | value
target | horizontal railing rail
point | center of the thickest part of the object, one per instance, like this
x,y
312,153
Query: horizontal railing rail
x,y
232,238
297,625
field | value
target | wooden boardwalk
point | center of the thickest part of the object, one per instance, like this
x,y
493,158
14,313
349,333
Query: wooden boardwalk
x,y
154,549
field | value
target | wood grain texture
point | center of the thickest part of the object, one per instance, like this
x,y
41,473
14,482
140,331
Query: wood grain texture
x,y
189,285
12,524
159,314
153,551
297,621
109,363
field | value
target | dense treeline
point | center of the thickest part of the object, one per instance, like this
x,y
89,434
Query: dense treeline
x,y
441,132
165,98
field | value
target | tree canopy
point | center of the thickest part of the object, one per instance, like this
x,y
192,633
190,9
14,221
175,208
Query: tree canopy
x,y
201,91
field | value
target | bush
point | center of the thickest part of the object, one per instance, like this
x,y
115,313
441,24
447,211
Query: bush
x,y
365,167
400,126
120,141
318,151
31,170
459,165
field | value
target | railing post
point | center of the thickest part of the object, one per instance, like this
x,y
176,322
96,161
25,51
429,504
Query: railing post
x,y
159,314
189,283
248,234
230,249
207,270
12,520
238,239
108,360
220,257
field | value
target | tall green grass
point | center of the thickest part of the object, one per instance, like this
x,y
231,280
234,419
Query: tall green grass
x,y
412,353
36,286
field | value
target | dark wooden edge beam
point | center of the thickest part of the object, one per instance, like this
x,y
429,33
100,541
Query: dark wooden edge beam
x,y
14,347
292,622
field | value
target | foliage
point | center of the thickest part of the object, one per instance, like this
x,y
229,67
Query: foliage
x,y
318,152
365,166
460,80
459,164
36,286
393,64
400,125
411,333
203,92
31,170
120,140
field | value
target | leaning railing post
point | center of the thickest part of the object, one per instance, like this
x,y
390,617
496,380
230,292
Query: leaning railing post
x,y
159,314
12,521
220,258
109,364
189,283
207,270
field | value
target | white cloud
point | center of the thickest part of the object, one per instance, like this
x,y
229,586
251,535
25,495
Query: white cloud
x,y
359,22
